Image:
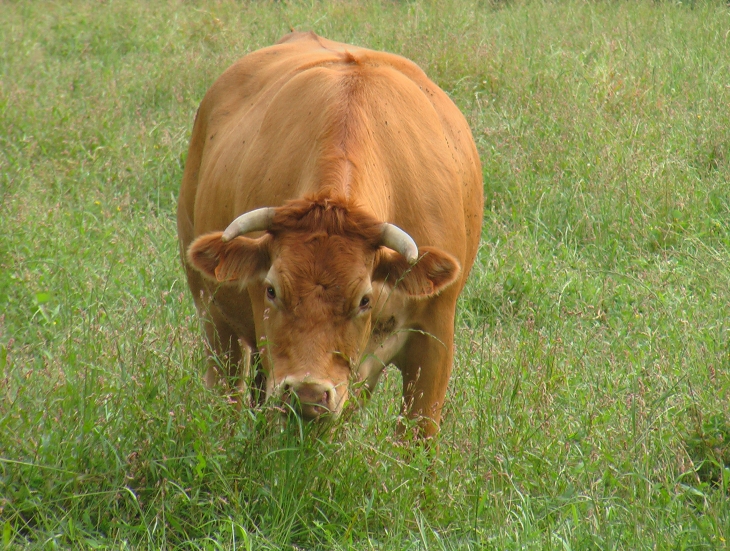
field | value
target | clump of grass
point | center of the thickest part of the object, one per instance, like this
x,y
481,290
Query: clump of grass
x,y
708,445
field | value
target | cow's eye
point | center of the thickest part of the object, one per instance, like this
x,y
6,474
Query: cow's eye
x,y
364,303
270,293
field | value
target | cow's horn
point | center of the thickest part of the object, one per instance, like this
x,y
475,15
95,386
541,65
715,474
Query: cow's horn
x,y
255,220
395,238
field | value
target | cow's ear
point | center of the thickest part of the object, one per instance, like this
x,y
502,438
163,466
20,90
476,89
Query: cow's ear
x,y
239,259
432,273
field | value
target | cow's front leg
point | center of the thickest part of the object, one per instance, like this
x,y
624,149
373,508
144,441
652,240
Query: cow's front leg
x,y
425,364
224,351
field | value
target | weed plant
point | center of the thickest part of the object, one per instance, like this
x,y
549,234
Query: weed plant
x,y
588,407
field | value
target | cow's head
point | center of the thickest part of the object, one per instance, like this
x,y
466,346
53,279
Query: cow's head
x,y
316,279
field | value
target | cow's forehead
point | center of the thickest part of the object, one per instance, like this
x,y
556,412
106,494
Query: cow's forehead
x,y
338,265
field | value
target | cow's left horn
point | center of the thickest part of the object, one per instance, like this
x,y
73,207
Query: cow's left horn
x,y
395,238
254,220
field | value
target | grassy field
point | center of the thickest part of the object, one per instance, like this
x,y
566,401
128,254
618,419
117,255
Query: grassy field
x,y
590,403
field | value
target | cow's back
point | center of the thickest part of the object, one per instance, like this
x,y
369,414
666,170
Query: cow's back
x,y
310,116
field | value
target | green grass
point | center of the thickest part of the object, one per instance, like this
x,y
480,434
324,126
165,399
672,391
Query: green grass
x,y
590,404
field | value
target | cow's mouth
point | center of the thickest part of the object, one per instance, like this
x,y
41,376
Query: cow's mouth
x,y
310,400
309,411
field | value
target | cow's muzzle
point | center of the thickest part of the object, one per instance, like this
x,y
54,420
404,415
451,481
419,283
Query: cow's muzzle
x,y
310,399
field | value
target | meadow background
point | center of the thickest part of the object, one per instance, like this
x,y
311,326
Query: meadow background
x,y
589,407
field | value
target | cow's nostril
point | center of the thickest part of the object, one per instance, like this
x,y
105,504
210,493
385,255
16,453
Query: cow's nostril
x,y
309,399
288,395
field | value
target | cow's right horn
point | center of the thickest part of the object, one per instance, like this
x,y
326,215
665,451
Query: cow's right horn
x,y
395,238
254,220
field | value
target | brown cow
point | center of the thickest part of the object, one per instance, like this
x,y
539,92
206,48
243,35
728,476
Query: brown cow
x,y
341,159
